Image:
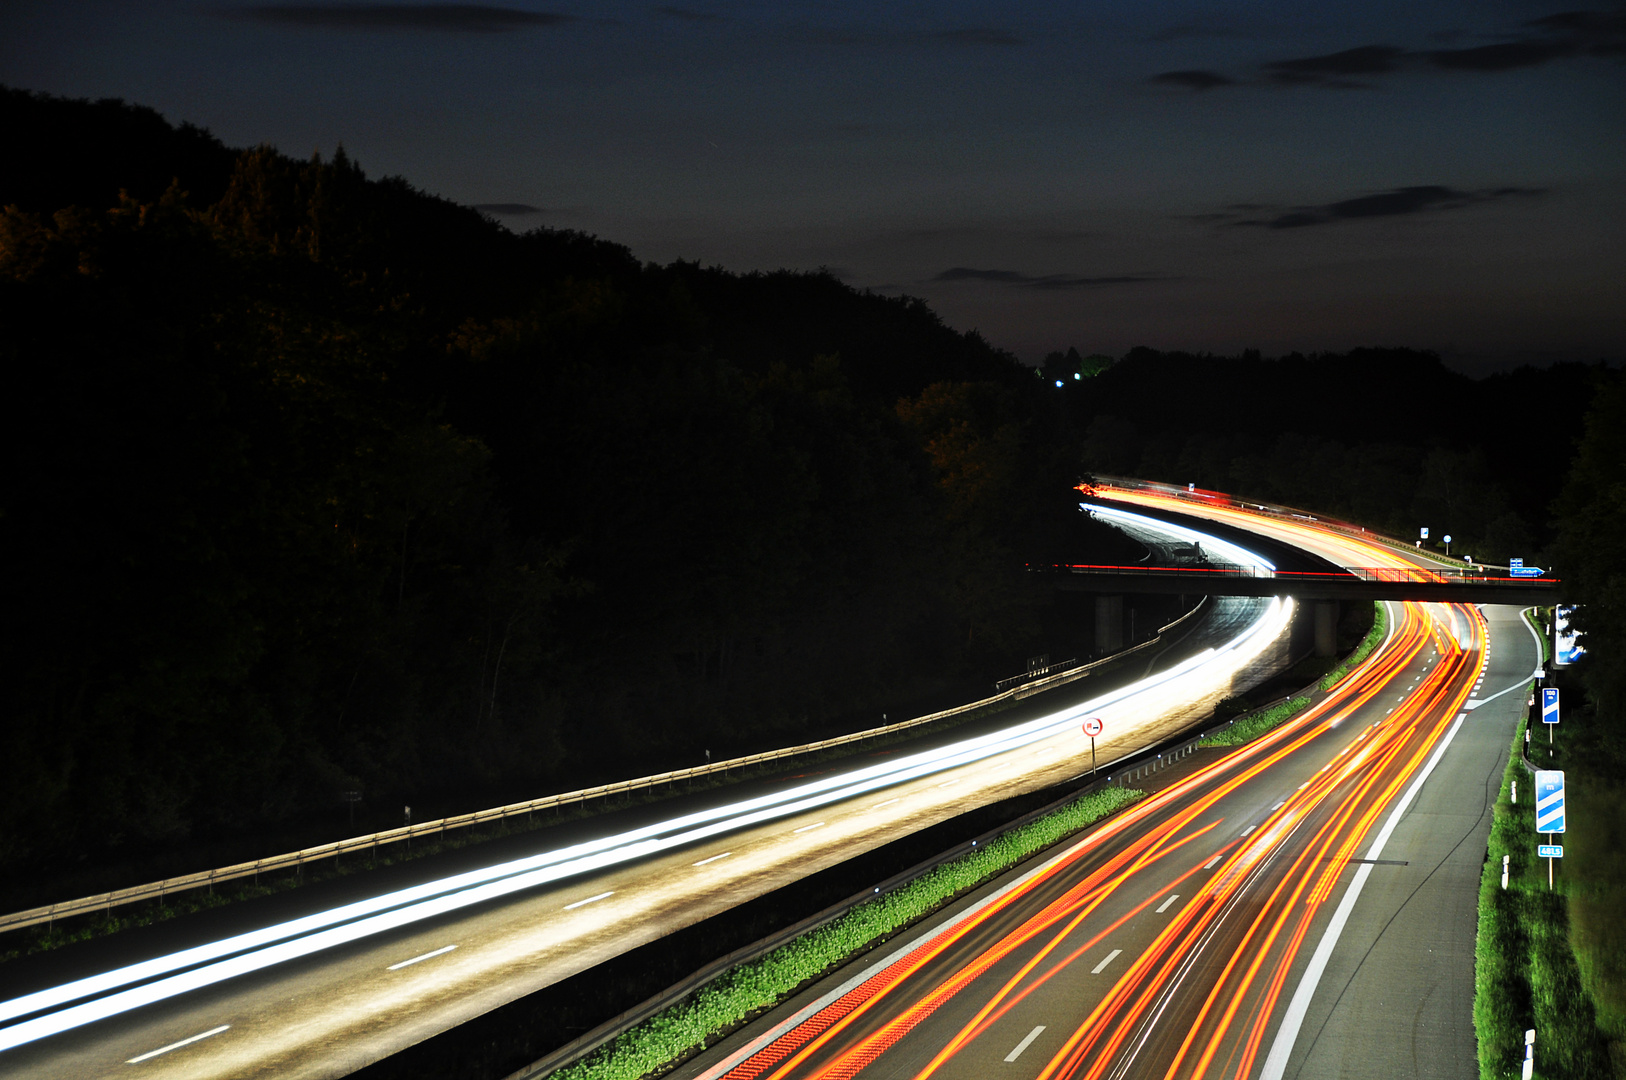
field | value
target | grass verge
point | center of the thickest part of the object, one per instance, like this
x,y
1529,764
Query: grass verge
x,y
1525,973
716,1008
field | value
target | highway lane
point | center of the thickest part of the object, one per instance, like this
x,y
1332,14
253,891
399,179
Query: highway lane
x,y
1181,955
329,1012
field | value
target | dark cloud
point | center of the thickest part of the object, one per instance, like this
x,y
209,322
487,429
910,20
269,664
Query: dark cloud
x,y
1336,69
508,209
1042,281
1194,80
977,35
1397,202
1503,56
1540,41
454,18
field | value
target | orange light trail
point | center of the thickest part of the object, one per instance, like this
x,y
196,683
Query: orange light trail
x,y
1319,828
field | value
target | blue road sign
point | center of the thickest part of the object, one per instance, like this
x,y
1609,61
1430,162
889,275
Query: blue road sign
x,y
1515,564
1550,851
1549,800
1549,705
1526,571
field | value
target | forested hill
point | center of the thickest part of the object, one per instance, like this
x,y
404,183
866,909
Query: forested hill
x,y
317,483
1388,437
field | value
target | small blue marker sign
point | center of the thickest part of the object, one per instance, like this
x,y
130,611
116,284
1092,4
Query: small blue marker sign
x,y
1549,705
1550,851
1549,800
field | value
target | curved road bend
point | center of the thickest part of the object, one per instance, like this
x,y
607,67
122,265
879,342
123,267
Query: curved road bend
x,y
330,1012
1302,907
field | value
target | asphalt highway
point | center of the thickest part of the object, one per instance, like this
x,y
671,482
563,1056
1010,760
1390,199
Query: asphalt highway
x,y
325,998
1302,906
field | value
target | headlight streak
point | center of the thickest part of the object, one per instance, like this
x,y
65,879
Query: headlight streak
x,y
1341,804
137,985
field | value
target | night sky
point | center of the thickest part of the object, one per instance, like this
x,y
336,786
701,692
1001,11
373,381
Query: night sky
x,y
1179,175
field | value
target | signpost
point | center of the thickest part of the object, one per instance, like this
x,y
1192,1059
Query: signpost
x,y
1423,532
1549,710
1550,814
1092,728
1447,539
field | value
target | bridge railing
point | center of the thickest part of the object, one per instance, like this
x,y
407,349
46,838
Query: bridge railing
x,y
1378,574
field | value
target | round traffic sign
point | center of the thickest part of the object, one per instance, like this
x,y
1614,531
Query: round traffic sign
x,y
1092,727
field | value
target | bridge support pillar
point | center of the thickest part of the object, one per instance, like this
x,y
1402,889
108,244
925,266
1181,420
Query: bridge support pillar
x,y
1109,624
1326,628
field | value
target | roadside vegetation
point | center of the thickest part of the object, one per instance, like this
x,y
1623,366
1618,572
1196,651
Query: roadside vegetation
x,y
1525,973
751,988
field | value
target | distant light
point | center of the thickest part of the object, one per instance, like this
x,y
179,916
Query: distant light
x,y
1077,376
1058,382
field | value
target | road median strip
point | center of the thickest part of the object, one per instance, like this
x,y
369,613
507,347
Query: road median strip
x,y
735,995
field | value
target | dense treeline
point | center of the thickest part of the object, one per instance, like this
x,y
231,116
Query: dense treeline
x,y
1591,520
1390,438
318,483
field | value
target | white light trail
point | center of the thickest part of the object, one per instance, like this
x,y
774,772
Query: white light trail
x,y
163,977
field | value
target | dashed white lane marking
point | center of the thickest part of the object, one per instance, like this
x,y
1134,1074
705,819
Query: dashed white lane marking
x,y
888,802
714,858
1283,803
948,783
589,900
807,828
1209,865
1164,906
177,1045
1249,829
421,959
1102,966
1024,1044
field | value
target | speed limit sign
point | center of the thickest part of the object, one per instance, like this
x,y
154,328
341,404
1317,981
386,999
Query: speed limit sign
x,y
1092,727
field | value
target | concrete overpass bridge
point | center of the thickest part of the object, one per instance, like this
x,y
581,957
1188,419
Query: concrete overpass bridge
x,y
1443,585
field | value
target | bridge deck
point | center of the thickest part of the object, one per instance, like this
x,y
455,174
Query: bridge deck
x,y
1357,583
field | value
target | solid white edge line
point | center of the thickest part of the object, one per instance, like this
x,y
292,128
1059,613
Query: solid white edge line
x,y
1024,1044
589,900
177,1045
1287,1034
1164,906
420,959
1102,966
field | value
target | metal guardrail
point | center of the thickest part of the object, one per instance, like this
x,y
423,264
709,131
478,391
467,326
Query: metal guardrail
x,y
371,842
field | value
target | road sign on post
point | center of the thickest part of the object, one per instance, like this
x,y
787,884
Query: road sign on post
x,y
1550,851
1549,705
1549,800
1092,728
1549,812
1423,533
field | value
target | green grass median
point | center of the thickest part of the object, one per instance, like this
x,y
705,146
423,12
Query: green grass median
x,y
1250,727
713,1009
